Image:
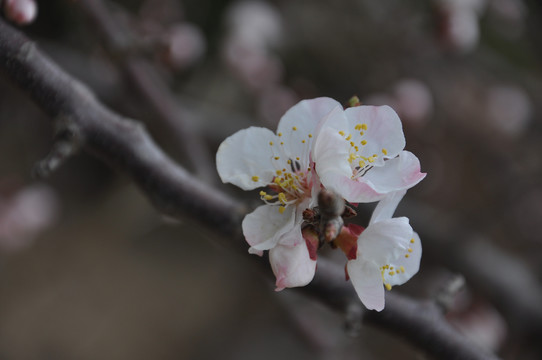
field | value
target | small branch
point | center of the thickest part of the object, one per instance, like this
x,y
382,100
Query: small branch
x,y
121,43
126,146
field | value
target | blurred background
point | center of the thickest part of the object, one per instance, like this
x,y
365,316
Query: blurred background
x,y
89,270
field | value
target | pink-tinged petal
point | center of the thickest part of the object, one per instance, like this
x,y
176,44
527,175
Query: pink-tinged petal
x,y
367,281
292,237
245,158
386,207
405,266
353,191
383,130
385,240
292,265
297,127
402,172
264,227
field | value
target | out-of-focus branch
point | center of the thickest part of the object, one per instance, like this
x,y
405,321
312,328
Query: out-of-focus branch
x,y
126,146
141,73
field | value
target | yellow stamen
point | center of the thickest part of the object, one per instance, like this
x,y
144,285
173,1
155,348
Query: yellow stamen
x,y
364,126
412,241
281,209
271,143
294,128
263,193
255,178
385,152
341,132
363,142
310,135
349,137
282,198
388,286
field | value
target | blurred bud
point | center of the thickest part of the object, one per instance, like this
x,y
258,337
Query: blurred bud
x,y
254,24
25,215
509,109
414,102
185,45
21,12
274,102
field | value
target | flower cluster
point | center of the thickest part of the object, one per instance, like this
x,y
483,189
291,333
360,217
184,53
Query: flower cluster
x,y
319,146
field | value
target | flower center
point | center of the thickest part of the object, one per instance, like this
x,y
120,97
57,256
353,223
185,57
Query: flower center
x,y
386,271
289,187
357,157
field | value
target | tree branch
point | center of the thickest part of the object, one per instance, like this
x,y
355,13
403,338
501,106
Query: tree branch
x,y
126,146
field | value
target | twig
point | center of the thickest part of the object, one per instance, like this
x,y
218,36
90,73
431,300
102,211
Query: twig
x,y
120,43
126,146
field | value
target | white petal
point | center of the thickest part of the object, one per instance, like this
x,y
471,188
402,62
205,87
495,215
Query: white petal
x,y
297,128
367,281
407,266
385,240
402,172
292,237
330,154
386,207
353,191
384,130
292,265
264,227
245,158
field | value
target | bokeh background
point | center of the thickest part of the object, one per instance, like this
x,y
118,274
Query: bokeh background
x,y
89,270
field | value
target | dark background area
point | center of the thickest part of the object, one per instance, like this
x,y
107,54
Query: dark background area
x,y
89,270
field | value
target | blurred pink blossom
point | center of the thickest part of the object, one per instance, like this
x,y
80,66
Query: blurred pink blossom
x,y
185,45
24,215
21,12
509,109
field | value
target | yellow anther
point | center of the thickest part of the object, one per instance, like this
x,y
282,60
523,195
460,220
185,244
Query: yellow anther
x,y
352,144
297,158
363,142
303,141
279,134
357,148
294,187
407,256
282,198
410,250
294,128
276,157
281,209
349,137
392,273
391,267
268,197
281,143
310,135
352,157
371,159
384,151
277,180
263,193
412,241
255,178
289,161
358,127
341,132
364,126
308,169
361,163
361,133
402,269
278,172
388,286
271,143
